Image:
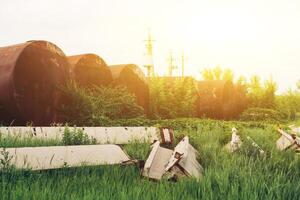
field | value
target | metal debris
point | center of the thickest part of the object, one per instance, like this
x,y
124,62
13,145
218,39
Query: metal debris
x,y
182,161
41,158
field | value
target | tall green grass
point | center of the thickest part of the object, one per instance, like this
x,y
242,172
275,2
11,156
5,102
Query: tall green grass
x,y
245,174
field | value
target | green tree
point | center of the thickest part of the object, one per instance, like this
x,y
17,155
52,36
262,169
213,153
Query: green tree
x,y
172,97
217,73
261,95
207,74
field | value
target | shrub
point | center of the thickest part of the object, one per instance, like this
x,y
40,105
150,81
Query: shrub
x,y
76,137
98,105
261,114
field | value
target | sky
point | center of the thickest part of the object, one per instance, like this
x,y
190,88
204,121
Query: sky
x,y
250,37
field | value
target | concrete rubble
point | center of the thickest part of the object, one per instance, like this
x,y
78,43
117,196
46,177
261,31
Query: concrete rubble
x,y
295,130
288,141
172,164
236,142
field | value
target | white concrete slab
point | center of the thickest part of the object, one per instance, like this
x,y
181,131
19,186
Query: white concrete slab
x,y
103,135
39,158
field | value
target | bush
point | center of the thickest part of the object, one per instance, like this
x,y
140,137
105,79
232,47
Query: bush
x,y
76,137
261,114
98,105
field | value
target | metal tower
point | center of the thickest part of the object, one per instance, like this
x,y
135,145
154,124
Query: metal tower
x,y
182,64
171,66
149,56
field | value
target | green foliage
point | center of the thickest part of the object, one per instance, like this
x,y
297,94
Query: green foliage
x,y
98,105
76,137
261,114
28,141
217,73
259,95
244,174
172,97
5,161
288,104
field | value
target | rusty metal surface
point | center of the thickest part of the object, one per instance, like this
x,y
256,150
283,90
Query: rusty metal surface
x,y
90,69
132,77
30,74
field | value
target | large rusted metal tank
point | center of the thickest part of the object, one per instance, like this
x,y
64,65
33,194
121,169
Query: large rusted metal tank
x,y
132,77
30,76
216,99
90,69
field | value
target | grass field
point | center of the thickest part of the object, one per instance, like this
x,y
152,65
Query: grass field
x,y
243,175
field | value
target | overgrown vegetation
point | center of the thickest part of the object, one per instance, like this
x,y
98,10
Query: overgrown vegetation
x,y
76,137
255,93
261,114
243,175
172,97
5,161
98,105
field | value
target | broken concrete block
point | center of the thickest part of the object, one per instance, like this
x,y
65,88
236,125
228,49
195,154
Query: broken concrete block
x,y
235,142
40,158
163,162
155,164
180,151
190,165
295,129
166,135
287,141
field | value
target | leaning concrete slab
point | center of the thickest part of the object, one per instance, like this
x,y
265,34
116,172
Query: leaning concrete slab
x,y
164,162
40,158
155,164
287,141
190,165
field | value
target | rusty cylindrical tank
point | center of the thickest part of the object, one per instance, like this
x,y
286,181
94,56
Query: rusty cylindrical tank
x,y
132,77
30,76
90,69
